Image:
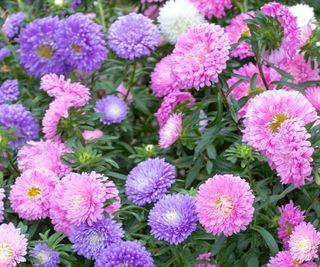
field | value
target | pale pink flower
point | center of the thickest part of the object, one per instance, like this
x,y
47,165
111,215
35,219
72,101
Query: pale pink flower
x,y
224,204
204,257
214,8
44,154
124,93
170,131
81,198
2,196
290,217
13,246
235,30
169,103
313,95
29,195
304,242
284,259
200,56
267,111
92,135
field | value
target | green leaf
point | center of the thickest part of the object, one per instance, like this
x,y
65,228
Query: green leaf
x,y
268,238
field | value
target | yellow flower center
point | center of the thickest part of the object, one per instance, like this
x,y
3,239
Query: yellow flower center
x,y
76,48
289,229
304,245
223,205
246,32
77,201
45,51
34,191
6,252
277,120
297,263
172,216
94,238
42,257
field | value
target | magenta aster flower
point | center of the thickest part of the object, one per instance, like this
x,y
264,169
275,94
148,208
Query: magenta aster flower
x,y
304,242
149,181
225,204
290,217
80,198
29,195
214,8
89,135
124,93
292,154
169,133
13,246
200,56
204,257
163,82
56,86
2,196
237,28
44,154
284,259
313,95
291,32
169,103
267,111
173,218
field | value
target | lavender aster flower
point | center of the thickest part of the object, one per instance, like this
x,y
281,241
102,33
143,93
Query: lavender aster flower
x,y
9,91
90,240
12,24
149,181
74,4
4,53
17,117
114,109
43,256
133,36
173,218
81,43
129,253
38,47
203,121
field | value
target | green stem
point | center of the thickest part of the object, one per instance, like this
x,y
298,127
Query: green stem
x,y
101,12
131,80
14,167
259,63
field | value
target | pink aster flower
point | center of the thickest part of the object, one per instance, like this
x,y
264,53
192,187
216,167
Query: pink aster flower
x,y
235,30
169,103
291,31
211,8
267,111
2,196
292,155
92,135
313,95
81,198
290,217
304,242
204,257
163,82
170,131
200,56
13,246
29,195
284,259
224,204
44,154
124,93
57,86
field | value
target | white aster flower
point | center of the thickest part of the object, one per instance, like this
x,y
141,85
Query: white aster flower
x,y
304,15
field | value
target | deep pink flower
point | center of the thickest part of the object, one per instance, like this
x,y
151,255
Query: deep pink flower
x,y
200,56
211,8
284,259
30,194
44,154
169,103
313,95
225,204
290,217
235,30
170,131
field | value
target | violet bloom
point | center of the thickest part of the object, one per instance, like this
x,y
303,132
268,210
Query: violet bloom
x,y
4,53
90,240
12,24
43,256
149,181
9,91
133,36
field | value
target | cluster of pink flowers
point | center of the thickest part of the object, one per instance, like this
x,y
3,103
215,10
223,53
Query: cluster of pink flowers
x,y
300,239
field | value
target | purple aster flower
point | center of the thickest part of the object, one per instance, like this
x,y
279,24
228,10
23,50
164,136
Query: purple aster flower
x,y
125,253
39,48
12,24
4,53
81,43
149,181
74,4
114,109
9,91
133,36
203,121
43,256
90,240
173,218
17,117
